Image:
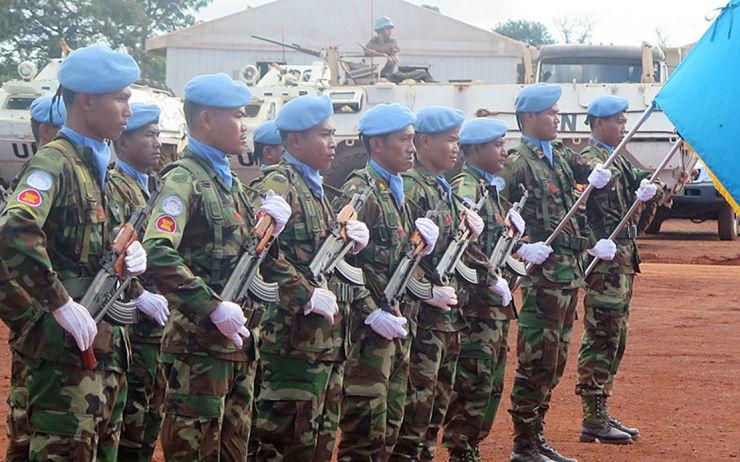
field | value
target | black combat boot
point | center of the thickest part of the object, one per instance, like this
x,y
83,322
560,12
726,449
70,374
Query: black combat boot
x,y
544,448
596,425
525,445
465,455
631,431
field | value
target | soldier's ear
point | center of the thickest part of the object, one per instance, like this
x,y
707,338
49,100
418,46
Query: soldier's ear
x,y
84,101
206,119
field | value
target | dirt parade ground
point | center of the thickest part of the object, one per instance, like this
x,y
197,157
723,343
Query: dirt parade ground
x,y
679,380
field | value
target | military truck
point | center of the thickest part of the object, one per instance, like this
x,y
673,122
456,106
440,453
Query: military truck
x,y
16,139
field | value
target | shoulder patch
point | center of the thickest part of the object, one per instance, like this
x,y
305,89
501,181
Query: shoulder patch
x,y
30,197
172,205
40,179
166,224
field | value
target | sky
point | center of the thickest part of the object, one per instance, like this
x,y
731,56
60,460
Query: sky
x,y
619,22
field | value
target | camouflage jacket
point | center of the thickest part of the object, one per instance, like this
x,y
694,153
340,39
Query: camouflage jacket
x,y
482,301
389,226
286,329
606,207
125,195
551,194
53,233
424,193
389,48
193,241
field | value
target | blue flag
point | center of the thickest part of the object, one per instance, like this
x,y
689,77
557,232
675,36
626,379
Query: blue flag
x,y
702,98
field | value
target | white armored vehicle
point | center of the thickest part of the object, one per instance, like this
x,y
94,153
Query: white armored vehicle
x,y
16,139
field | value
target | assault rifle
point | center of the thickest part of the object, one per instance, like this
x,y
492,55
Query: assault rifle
x,y
501,255
402,278
451,260
101,298
330,256
245,277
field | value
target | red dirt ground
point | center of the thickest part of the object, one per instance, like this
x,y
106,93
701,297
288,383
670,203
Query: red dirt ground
x,y
679,380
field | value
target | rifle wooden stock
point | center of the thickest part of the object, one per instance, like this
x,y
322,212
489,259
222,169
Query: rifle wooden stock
x,y
347,213
125,237
264,229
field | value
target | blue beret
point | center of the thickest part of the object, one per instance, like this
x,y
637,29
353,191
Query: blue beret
x,y
606,106
482,130
385,118
267,133
303,113
217,90
40,111
97,69
538,97
435,119
143,114
383,22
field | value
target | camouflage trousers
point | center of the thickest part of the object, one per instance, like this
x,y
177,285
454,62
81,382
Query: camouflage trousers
x,y
545,327
375,385
434,356
208,409
298,408
142,416
607,306
479,382
74,413
19,433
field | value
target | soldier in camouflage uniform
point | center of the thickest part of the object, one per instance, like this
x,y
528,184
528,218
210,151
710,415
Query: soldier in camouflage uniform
x,y
376,376
46,120
609,287
54,231
436,344
382,44
549,171
479,380
137,152
198,227
304,339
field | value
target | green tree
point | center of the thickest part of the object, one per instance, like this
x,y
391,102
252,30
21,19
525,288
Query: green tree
x,y
32,30
532,32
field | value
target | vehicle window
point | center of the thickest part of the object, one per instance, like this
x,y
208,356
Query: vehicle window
x,y
19,103
592,72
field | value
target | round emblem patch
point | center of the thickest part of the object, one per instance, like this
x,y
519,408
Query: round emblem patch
x,y
40,180
166,224
172,205
29,197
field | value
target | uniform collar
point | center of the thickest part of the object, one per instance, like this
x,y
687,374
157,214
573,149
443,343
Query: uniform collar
x,y
218,159
100,150
598,142
492,180
545,146
141,178
311,175
395,182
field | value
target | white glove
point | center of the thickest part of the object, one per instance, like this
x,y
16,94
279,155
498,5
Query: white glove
x,y
75,319
429,232
534,253
275,206
324,303
154,306
135,259
443,297
646,191
474,222
358,232
229,319
387,325
517,221
599,176
605,249
502,288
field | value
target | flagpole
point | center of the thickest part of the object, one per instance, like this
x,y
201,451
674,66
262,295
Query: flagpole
x,y
582,198
636,203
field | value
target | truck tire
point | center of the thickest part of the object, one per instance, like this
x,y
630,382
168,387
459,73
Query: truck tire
x,y
654,226
727,223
